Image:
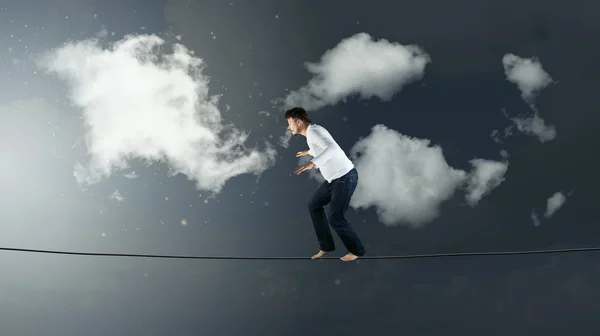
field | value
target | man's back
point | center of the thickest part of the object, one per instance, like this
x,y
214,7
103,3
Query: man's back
x,y
327,155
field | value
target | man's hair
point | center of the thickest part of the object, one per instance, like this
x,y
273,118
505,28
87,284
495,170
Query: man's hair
x,y
298,113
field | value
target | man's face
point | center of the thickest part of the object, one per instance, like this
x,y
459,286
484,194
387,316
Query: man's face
x,y
293,126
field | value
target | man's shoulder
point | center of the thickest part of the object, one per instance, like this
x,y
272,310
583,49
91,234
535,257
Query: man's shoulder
x,y
318,131
314,128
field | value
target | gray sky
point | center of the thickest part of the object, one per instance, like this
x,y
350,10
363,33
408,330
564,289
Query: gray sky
x,y
472,127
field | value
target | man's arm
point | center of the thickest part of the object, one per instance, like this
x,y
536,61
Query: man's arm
x,y
323,142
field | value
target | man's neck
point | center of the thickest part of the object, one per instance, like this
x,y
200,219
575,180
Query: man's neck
x,y
303,132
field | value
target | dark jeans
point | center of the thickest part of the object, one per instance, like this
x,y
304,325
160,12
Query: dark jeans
x,y
337,194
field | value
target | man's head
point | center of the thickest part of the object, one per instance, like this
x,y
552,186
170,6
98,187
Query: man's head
x,y
298,120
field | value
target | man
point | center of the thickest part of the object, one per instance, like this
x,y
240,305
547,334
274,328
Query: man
x,y
340,182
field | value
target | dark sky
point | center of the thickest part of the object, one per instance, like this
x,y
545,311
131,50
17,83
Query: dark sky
x,y
91,139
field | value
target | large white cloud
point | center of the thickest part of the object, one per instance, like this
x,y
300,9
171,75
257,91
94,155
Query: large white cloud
x,y
359,65
486,176
141,102
406,179
530,77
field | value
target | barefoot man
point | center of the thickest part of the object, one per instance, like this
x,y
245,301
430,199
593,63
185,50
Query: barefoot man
x,y
340,181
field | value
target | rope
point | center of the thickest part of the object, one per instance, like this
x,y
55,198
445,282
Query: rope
x,y
410,256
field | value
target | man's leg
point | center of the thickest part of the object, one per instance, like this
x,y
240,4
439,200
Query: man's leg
x,y
317,213
342,190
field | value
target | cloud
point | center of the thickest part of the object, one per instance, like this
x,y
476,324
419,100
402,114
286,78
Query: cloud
x,y
131,175
527,74
535,218
535,125
359,65
404,178
530,78
486,176
554,203
284,140
141,102
116,195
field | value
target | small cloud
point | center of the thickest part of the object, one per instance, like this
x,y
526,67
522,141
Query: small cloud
x,y
131,175
359,65
495,135
554,203
534,218
535,125
530,78
284,140
116,195
486,176
527,74
141,102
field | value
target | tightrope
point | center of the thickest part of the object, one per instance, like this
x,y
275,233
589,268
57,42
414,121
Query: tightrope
x,y
222,257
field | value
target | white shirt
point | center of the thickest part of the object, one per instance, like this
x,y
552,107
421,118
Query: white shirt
x,y
327,155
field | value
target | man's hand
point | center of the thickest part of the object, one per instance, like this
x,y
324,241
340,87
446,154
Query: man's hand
x,y
301,153
306,166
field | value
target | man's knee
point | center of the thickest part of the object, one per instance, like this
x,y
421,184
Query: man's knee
x,y
314,205
337,219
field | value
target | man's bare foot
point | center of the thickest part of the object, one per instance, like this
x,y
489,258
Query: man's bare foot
x,y
318,255
349,257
